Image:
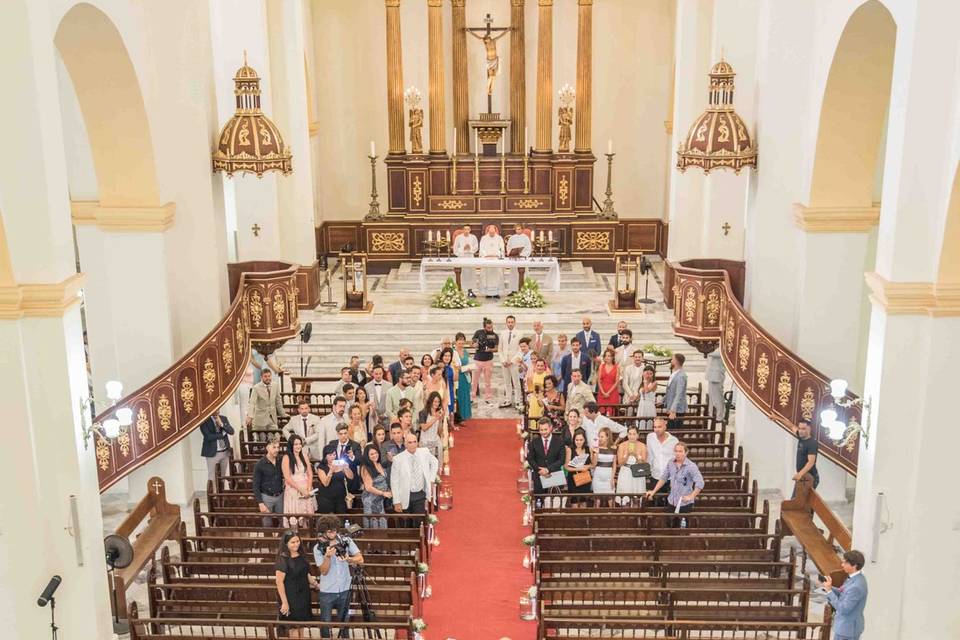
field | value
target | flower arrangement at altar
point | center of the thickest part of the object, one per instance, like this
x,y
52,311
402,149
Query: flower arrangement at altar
x,y
527,297
451,297
529,540
656,350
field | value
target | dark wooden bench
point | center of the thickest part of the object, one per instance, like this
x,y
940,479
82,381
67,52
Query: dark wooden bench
x,y
646,520
797,517
597,628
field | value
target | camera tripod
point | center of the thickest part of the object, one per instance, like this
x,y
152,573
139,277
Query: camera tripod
x,y
358,579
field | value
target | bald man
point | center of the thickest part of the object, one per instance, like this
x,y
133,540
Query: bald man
x,y
589,340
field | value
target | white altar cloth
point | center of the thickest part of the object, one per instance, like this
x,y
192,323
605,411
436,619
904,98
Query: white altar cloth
x,y
532,262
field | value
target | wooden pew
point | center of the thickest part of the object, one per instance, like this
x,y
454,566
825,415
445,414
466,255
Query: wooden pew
x,y
596,628
150,628
645,520
797,518
163,523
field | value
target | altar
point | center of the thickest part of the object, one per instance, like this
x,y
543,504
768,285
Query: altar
x,y
552,265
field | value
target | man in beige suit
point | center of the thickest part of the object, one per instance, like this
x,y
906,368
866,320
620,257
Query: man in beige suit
x,y
265,406
540,343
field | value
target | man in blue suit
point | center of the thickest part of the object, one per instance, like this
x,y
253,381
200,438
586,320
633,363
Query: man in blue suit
x,y
675,400
849,600
576,359
589,342
216,432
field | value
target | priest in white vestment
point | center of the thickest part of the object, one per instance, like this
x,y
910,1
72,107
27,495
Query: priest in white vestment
x,y
519,240
491,246
465,246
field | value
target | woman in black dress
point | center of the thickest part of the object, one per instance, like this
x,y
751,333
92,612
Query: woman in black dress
x,y
332,488
293,582
579,448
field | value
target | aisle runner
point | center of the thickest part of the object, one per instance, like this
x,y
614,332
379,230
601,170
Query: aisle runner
x,y
476,573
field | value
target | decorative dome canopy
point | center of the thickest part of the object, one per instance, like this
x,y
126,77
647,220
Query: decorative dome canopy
x,y
250,142
718,137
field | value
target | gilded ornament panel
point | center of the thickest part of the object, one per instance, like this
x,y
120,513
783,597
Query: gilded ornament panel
x,y
279,308
143,426
690,305
784,389
529,203
593,240
743,353
417,191
165,412
452,205
388,242
209,376
226,356
563,189
123,443
763,371
712,307
808,403
256,308
103,453
187,395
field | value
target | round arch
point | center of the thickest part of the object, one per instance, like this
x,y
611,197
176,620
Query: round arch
x,y
853,113
112,106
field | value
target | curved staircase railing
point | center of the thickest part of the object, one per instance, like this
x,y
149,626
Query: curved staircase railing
x,y
708,314
169,407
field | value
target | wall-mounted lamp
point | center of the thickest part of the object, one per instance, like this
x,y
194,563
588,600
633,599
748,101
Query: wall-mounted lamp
x,y
112,427
844,433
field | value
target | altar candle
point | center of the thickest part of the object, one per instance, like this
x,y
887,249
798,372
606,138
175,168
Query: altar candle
x,y
454,140
373,149
448,236
430,235
609,146
476,145
550,235
525,131
541,235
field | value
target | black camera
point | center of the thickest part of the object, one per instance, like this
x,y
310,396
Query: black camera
x,y
342,542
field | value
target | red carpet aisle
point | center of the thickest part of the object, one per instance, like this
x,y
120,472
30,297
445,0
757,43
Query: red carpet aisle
x,y
476,572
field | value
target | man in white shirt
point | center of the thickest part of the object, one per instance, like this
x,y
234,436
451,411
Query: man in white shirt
x,y
346,377
326,429
412,474
466,246
509,347
519,241
660,446
304,424
578,392
591,413
632,380
491,246
626,349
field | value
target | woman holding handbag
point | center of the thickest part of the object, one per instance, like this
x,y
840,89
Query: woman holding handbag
x,y
632,460
579,475
606,462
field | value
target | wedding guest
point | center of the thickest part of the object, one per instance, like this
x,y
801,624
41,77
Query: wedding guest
x,y
624,353
416,381
357,375
509,348
606,465
216,431
377,393
573,423
405,421
327,429
397,392
647,404
578,449
380,439
346,377
850,600
686,481
615,339
450,378
576,360
349,451
554,404
545,454
591,415
541,343
675,400
631,452
412,476
349,393
556,359
535,405
632,379
376,486
536,369
431,424
436,384
589,341
608,383
363,401
294,582
485,344
333,475
463,377
265,406
357,429
305,424
393,371
426,363
578,393
394,445
298,478
660,444
268,482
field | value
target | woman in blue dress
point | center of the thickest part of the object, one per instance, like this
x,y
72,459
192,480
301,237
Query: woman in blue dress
x,y
446,361
463,381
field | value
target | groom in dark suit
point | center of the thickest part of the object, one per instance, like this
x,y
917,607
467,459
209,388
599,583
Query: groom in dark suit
x,y
545,454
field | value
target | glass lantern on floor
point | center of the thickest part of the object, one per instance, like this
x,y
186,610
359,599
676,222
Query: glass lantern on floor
x,y
446,497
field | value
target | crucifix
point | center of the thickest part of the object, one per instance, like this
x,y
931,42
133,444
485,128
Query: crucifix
x,y
726,228
156,487
486,35
256,230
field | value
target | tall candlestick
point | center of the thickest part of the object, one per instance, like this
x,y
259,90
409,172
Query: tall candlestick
x,y
525,131
476,145
454,141
541,235
448,236
373,148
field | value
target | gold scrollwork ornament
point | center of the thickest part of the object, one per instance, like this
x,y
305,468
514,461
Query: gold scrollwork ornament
x,y
744,352
689,306
731,334
808,404
164,412
529,203
763,371
563,189
123,442
784,389
227,357
143,426
279,308
452,204
417,190
593,241
713,308
256,308
103,453
209,376
187,394
388,242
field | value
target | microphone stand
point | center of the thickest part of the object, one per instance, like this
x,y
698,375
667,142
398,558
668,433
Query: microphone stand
x,y
53,621
646,299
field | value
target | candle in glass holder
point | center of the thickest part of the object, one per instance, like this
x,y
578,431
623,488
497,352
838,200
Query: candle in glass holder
x,y
430,235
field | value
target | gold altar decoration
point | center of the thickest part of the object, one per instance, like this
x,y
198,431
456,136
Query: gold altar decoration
x,y
355,282
565,117
250,142
413,98
718,138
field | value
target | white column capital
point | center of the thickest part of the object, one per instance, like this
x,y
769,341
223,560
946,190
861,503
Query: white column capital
x,y
40,300
914,298
835,219
135,218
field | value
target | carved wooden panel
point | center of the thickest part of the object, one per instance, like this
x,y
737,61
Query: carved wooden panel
x,y
388,241
528,204
170,406
397,189
453,204
776,380
563,189
439,181
490,205
583,188
641,236
417,190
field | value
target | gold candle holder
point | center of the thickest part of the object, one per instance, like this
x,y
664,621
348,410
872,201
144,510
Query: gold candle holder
x,y
453,174
503,173
526,173
476,174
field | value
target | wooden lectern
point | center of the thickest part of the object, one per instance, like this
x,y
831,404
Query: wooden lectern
x,y
355,283
626,281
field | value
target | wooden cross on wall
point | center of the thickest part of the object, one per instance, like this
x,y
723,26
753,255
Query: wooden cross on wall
x,y
256,230
726,228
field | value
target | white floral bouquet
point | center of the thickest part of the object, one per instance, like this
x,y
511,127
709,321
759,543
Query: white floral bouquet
x,y
451,297
418,624
432,519
532,591
527,297
529,540
423,568
656,350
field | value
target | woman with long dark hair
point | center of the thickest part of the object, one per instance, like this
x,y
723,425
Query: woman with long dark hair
x,y
333,475
298,481
376,486
431,424
461,357
580,460
292,572
450,378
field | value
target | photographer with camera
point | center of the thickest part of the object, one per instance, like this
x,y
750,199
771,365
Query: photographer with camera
x,y
334,554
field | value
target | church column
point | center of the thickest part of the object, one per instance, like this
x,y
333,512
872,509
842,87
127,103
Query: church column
x,y
518,79
461,84
545,77
438,127
584,75
394,78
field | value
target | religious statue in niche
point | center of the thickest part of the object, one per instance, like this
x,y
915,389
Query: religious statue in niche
x,y
413,99
486,36
567,96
